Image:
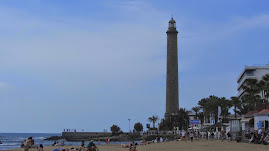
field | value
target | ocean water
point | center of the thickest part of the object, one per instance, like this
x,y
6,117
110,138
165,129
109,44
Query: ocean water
x,y
13,140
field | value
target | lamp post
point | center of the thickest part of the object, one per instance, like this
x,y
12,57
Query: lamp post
x,y
129,125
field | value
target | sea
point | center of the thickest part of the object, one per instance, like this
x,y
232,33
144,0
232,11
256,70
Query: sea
x,y
13,140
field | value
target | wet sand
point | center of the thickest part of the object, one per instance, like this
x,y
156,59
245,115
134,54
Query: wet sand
x,y
200,145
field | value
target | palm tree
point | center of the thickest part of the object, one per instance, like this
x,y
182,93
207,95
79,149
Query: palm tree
x,y
264,87
196,109
244,109
210,106
166,125
252,89
183,116
214,102
203,104
153,119
236,104
246,105
201,117
225,106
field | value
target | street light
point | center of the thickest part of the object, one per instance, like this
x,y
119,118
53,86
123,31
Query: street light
x,y
129,125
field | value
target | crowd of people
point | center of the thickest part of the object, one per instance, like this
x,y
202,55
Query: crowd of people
x,y
258,137
30,143
70,130
209,135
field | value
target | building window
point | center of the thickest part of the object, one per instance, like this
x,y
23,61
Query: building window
x,y
249,73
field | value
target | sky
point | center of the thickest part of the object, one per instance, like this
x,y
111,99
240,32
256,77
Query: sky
x,y
89,64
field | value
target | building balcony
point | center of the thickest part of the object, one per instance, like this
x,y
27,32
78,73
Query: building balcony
x,y
240,93
244,79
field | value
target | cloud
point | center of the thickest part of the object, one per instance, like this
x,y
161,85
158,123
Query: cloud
x,y
243,23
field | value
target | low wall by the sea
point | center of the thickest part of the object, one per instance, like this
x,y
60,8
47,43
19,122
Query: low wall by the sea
x,y
79,136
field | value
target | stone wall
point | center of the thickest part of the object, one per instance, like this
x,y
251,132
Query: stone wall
x,y
79,136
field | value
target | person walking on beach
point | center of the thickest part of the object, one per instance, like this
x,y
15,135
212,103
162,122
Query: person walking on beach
x,y
108,140
212,136
161,139
222,135
98,141
191,136
229,136
82,144
183,134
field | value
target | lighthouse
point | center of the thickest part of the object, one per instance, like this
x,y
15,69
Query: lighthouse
x,y
172,101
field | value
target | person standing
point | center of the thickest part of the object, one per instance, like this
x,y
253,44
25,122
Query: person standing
x,y
62,143
222,135
212,136
82,146
191,136
22,144
27,144
108,140
229,136
183,134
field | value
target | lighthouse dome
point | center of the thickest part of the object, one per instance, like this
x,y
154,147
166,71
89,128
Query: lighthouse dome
x,y
172,23
172,20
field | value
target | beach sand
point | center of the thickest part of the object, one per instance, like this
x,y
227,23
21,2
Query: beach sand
x,y
200,145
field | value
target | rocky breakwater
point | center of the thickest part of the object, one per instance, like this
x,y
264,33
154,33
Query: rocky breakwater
x,y
99,136
79,136
55,138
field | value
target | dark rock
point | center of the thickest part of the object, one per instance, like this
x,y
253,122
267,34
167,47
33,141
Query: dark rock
x,y
54,138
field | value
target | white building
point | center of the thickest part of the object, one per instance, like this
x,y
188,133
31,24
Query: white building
x,y
251,72
192,116
262,119
246,124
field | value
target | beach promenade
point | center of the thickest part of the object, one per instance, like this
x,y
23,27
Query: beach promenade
x,y
201,145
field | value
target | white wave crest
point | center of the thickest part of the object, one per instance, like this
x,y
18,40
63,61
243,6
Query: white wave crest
x,y
9,144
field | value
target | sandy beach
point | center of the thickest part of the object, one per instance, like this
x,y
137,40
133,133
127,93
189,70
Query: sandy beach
x,y
200,145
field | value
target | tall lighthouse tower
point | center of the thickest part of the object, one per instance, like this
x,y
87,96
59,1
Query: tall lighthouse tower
x,y
172,105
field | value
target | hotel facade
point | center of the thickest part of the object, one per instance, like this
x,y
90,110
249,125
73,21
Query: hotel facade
x,y
250,72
